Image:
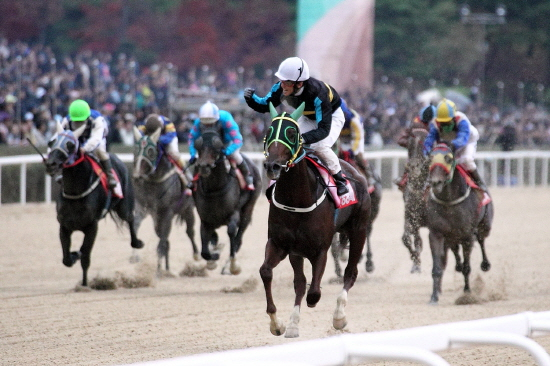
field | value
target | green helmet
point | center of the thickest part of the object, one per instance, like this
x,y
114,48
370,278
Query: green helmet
x,y
79,110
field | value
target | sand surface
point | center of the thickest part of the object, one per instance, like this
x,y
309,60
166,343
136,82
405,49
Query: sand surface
x,y
44,321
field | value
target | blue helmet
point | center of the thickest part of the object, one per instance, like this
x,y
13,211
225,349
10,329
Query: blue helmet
x,y
427,113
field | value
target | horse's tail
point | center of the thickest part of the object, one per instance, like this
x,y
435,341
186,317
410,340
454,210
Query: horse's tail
x,y
119,222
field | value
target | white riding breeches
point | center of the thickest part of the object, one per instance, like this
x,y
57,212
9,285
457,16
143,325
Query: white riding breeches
x,y
465,156
323,148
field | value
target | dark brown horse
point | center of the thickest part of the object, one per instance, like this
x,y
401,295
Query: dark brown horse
x,y
302,222
220,200
375,191
455,216
83,201
414,193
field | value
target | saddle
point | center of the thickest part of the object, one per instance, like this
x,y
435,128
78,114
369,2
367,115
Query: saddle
x,y
327,181
483,196
117,191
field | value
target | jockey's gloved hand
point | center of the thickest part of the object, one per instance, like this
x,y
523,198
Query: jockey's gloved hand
x,y
248,93
192,160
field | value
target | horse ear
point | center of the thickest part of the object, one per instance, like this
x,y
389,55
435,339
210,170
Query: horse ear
x,y
137,134
58,126
298,112
79,131
272,110
156,135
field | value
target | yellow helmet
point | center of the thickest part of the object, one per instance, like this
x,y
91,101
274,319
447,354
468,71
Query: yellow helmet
x,y
445,111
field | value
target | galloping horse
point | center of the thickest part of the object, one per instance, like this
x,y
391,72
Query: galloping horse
x,y
414,193
160,192
219,198
455,214
375,192
83,199
302,222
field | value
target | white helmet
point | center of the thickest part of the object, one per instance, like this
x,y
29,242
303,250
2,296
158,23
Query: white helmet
x,y
209,113
293,68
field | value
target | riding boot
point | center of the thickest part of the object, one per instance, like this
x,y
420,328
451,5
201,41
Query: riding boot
x,y
478,180
243,167
183,176
364,166
108,169
341,188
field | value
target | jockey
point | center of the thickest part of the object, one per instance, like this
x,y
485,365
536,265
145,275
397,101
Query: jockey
x,y
452,125
352,138
423,120
210,115
168,141
93,139
322,119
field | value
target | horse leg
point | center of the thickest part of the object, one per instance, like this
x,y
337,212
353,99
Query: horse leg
x,y
163,226
190,231
206,235
335,250
439,260
417,251
69,258
369,264
273,256
300,284
139,214
235,243
467,251
317,270
485,264
456,251
406,238
90,233
356,243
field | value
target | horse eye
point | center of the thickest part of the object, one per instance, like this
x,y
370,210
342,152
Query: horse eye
x,y
69,145
290,134
448,159
150,152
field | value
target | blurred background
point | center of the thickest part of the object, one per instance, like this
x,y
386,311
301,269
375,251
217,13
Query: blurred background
x,y
388,58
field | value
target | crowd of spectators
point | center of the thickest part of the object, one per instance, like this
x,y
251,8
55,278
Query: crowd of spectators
x,y
36,87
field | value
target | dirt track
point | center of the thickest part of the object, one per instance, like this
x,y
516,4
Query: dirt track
x,y
43,321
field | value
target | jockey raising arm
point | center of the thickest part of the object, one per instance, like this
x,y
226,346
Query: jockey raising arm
x,y
454,126
211,116
322,120
93,139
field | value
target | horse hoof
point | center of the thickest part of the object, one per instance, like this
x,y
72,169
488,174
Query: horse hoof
x,y
137,244
485,266
339,324
292,332
210,256
235,269
415,269
211,265
369,266
196,257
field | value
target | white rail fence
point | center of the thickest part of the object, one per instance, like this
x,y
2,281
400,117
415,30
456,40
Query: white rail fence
x,y
419,344
516,168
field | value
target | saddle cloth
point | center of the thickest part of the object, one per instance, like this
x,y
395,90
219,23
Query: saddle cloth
x,y
117,191
486,198
328,182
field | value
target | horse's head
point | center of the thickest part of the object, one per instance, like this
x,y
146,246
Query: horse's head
x,y
442,166
418,163
63,149
283,142
210,148
145,153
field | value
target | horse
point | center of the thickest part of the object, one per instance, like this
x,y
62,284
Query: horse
x,y
456,213
160,193
375,192
221,199
83,199
414,194
302,222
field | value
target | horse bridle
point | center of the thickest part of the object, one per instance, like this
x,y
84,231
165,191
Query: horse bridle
x,y
279,134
